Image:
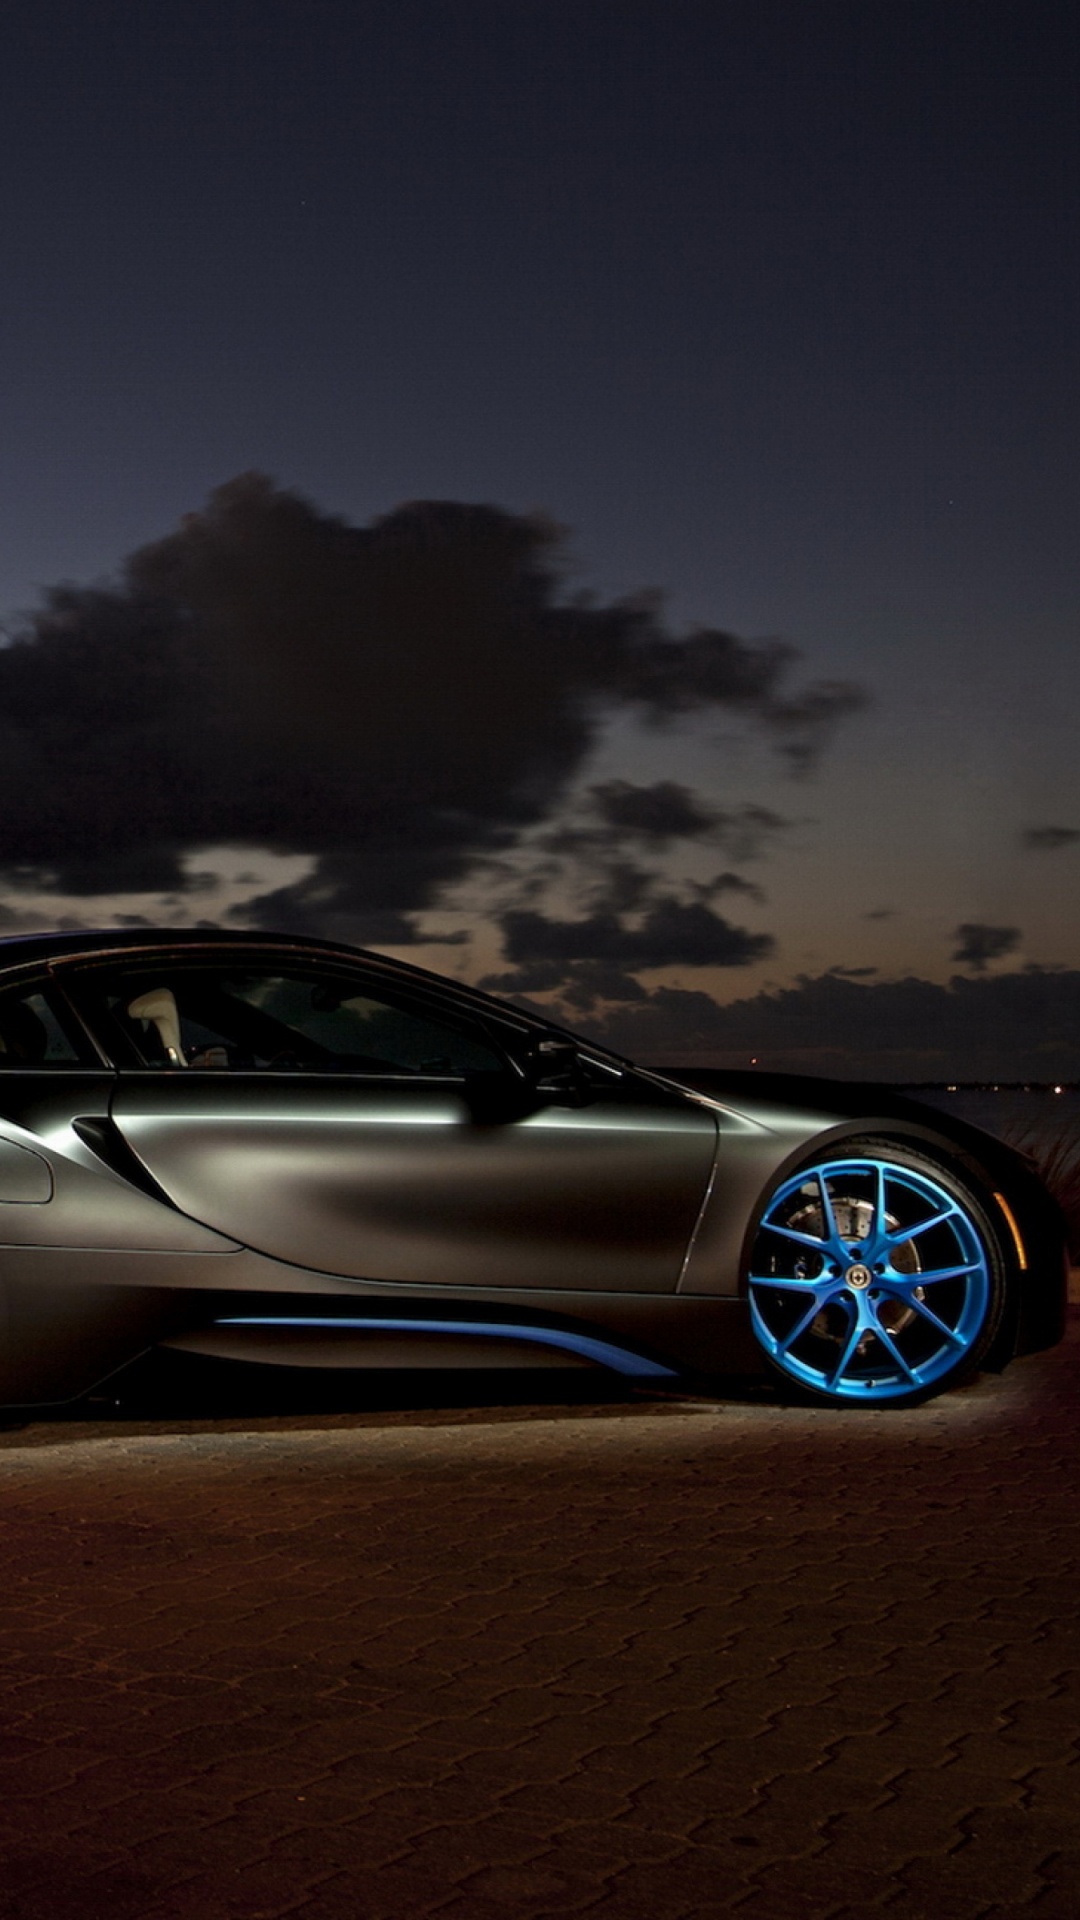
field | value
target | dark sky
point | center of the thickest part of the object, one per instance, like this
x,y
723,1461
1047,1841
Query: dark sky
x,y
772,308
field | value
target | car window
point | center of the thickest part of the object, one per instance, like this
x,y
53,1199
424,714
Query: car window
x,y
358,1029
31,1034
255,1019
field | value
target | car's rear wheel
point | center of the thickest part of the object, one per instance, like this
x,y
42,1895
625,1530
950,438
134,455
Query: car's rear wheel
x,y
875,1277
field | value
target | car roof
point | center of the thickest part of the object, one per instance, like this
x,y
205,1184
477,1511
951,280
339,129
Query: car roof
x,y
18,949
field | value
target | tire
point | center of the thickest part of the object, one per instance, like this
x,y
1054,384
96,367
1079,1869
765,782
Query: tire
x,y
875,1277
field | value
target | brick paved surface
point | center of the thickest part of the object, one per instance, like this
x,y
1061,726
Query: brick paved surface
x,y
640,1658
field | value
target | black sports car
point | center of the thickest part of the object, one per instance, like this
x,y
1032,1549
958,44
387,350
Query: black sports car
x,y
281,1150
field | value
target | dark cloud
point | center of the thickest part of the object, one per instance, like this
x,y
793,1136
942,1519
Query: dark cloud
x,y
295,909
395,701
745,832
977,945
532,977
595,982
1049,839
880,913
672,933
625,887
1007,1026
670,917
657,815
582,985
587,984
616,814
713,668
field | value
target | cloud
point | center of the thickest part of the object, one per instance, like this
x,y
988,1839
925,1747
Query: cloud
x,y
582,986
1007,1026
977,945
624,887
593,962
658,814
1049,839
600,850
613,813
666,679
396,701
672,933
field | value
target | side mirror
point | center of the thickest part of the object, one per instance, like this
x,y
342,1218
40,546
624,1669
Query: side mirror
x,y
550,1059
554,1067
553,1075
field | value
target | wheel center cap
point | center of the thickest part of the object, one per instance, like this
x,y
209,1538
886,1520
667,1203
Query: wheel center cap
x,y
858,1277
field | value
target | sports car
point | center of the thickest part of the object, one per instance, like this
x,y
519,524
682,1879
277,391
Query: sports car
x,y
280,1150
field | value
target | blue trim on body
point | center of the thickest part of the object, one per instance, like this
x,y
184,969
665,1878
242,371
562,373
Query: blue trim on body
x,y
634,1365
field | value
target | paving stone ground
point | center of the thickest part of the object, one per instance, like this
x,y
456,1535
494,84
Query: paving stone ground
x,y
651,1658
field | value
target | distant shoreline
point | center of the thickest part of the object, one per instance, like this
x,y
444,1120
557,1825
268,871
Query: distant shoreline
x,y
986,1086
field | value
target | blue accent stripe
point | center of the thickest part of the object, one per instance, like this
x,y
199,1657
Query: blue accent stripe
x,y
606,1355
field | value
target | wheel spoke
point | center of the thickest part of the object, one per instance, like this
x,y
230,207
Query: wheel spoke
x,y
890,1346
934,1320
800,1326
880,1230
790,1282
902,1235
933,1277
847,1355
792,1233
827,1214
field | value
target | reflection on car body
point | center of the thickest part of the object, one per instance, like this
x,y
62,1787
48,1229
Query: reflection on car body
x,y
282,1149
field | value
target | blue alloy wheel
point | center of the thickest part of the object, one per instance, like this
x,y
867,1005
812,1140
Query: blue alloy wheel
x,y
874,1281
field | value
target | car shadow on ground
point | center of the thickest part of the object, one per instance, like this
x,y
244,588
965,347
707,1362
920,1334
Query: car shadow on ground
x,y
174,1386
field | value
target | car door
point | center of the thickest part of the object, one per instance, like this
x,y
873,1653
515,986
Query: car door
x,y
335,1125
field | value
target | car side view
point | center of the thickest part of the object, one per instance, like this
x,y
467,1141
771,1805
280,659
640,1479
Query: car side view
x,y
280,1150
